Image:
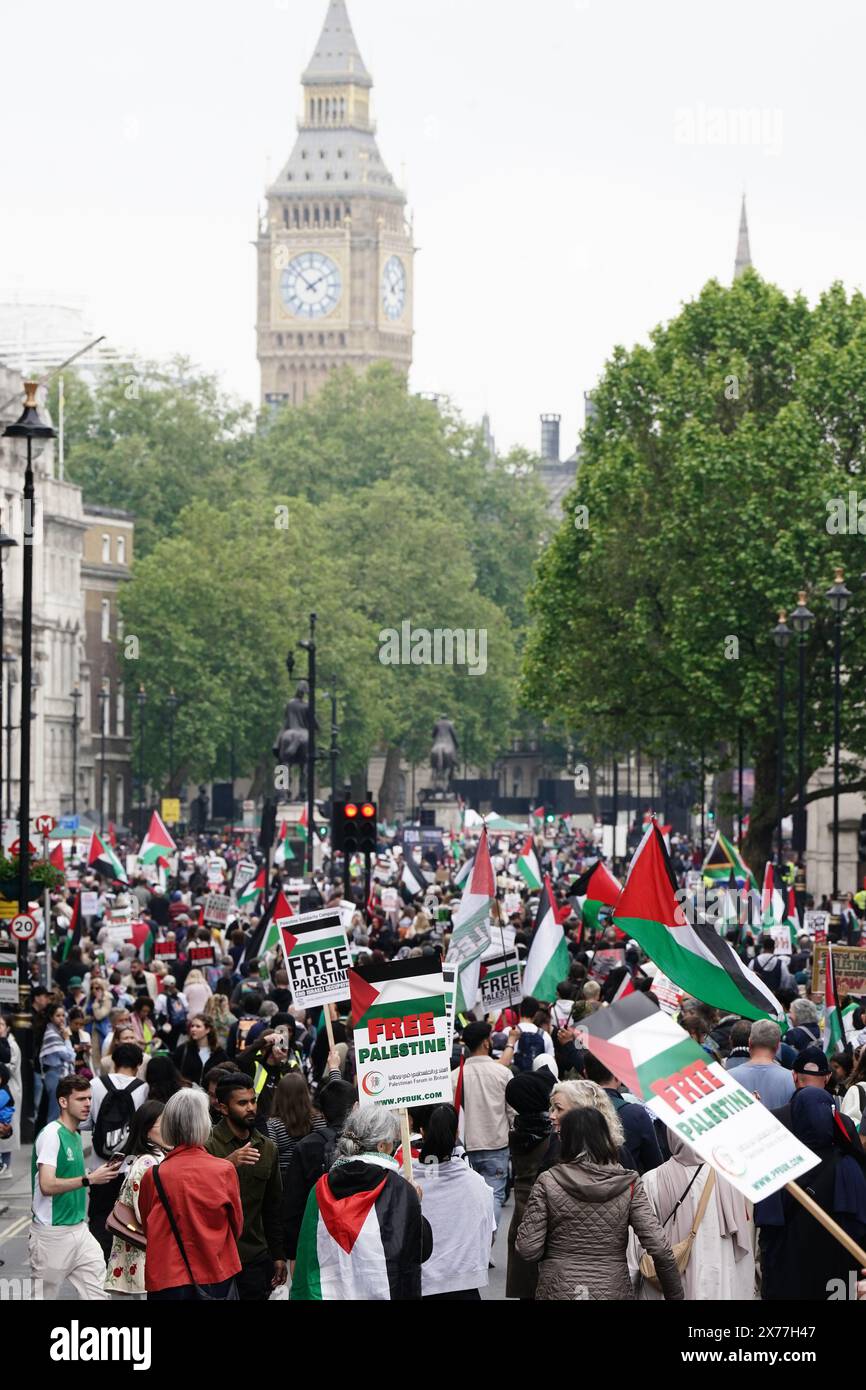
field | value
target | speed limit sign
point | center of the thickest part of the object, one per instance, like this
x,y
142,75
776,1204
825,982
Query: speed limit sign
x,y
23,926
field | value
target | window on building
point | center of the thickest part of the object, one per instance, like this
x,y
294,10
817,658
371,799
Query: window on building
x,y
119,806
119,713
106,548
106,620
121,550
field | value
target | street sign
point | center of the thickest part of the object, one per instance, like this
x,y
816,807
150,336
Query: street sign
x,y
16,846
23,926
171,810
69,824
45,824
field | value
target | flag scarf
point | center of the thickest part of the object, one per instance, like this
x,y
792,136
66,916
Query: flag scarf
x,y
349,1247
548,960
598,888
528,866
73,931
412,875
722,858
470,933
102,858
252,889
283,850
694,957
834,1030
157,847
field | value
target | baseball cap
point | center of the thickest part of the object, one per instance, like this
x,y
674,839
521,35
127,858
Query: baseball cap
x,y
811,1062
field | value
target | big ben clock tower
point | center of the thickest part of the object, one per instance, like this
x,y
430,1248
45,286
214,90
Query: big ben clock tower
x,y
335,251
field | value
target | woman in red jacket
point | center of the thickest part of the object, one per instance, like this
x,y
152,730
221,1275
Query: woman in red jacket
x,y
205,1201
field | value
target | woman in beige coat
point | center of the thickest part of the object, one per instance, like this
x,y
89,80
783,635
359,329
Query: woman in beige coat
x,y
579,1214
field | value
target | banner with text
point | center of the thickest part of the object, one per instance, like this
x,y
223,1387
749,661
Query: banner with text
x,y
317,955
400,1019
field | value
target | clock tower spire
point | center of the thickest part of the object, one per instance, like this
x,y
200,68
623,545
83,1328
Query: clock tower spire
x,y
335,252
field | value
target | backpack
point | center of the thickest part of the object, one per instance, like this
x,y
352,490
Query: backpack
x,y
771,977
529,1046
114,1117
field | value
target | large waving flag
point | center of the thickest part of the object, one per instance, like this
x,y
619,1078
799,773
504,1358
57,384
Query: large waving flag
x,y
834,1031
56,860
157,847
464,871
528,866
102,858
721,858
548,960
412,876
695,957
598,888
470,933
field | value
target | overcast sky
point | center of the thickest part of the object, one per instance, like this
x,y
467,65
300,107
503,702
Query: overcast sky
x,y
574,167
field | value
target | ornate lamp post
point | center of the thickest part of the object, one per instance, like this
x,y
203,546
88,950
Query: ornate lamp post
x,y
781,636
141,700
837,596
104,697
801,621
76,721
11,679
171,704
309,646
6,542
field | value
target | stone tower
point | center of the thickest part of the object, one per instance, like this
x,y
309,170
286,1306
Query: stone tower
x,y
335,252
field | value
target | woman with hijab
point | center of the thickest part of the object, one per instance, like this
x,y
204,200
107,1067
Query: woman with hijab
x,y
531,1143
722,1262
799,1257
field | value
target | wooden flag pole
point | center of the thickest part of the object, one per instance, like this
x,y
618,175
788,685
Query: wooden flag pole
x,y
498,911
827,1222
329,1027
406,1141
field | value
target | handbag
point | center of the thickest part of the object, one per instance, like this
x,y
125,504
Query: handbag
x,y
201,1294
682,1251
121,1222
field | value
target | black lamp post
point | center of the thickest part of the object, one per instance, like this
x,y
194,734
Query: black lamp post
x,y
28,427
309,646
837,596
801,621
11,679
781,636
5,542
104,697
141,700
333,751
172,702
76,720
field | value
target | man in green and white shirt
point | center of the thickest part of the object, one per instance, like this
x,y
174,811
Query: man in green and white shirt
x,y
61,1246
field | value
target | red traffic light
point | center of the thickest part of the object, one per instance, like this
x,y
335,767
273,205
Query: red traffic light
x,y
350,810
368,809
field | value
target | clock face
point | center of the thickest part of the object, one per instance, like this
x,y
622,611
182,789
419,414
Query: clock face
x,y
311,285
394,287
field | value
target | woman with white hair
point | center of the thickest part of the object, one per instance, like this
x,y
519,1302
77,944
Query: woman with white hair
x,y
190,1210
363,1236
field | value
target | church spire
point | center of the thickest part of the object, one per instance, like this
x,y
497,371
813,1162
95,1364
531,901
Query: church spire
x,y
337,59
744,254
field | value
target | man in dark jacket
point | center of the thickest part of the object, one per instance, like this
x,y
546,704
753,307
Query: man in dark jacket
x,y
235,1138
314,1156
641,1148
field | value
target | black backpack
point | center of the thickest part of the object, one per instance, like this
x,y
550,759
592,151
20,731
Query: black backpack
x,y
529,1046
772,976
114,1117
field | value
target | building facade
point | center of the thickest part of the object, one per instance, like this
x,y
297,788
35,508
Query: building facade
x,y
105,568
335,250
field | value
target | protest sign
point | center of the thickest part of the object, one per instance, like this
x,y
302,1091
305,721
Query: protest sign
x,y
317,957
723,1122
119,934
849,969
217,909
8,977
816,924
200,955
215,875
512,903
89,904
165,950
781,934
390,900
401,1034
500,984
669,995
605,960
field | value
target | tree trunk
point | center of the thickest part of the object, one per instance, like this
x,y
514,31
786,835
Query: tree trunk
x,y
758,844
390,783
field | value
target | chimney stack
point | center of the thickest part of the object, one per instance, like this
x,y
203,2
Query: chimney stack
x,y
550,438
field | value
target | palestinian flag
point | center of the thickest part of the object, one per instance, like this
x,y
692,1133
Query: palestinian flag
x,y
283,850
350,1245
56,860
254,946
157,847
548,960
463,872
833,1036
73,931
772,902
792,917
304,825
470,932
694,957
102,858
722,858
598,888
537,819
625,989
247,895
727,908
270,936
528,866
412,879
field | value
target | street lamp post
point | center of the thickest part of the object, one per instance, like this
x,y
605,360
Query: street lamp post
x,y
141,700
801,621
334,751
781,636
172,703
11,679
837,596
5,542
28,426
104,697
309,646
76,720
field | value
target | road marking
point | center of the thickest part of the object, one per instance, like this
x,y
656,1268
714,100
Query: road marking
x,y
15,1229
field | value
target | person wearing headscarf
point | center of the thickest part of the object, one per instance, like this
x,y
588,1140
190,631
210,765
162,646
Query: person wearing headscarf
x,y
530,1143
722,1262
799,1257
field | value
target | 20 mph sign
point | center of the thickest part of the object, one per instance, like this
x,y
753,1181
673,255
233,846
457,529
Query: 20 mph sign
x,y
23,926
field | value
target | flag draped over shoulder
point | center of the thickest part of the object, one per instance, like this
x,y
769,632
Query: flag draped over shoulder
x,y
548,960
470,933
695,957
102,858
349,1248
528,866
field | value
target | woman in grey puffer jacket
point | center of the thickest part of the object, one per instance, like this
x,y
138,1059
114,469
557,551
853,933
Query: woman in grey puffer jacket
x,y
578,1217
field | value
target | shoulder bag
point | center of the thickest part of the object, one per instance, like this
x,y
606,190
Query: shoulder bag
x,y
683,1249
201,1293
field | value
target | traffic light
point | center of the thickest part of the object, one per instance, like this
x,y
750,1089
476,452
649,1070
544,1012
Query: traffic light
x,y
354,827
861,841
367,827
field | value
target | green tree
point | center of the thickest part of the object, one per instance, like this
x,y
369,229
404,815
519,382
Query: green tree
x,y
703,502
